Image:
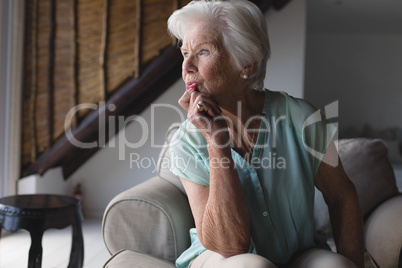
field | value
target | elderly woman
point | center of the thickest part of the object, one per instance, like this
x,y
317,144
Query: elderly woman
x,y
248,157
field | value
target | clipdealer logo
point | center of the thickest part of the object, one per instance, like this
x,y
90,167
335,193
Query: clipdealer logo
x,y
331,112
107,126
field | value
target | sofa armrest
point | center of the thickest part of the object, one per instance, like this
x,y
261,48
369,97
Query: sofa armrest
x,y
153,217
384,233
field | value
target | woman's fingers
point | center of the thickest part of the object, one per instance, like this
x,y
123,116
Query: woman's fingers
x,y
184,100
203,104
205,114
196,100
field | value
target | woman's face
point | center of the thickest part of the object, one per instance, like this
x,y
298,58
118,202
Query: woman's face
x,y
207,64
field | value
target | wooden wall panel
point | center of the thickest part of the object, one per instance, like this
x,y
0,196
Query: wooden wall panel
x,y
121,43
28,147
154,33
64,95
42,66
90,26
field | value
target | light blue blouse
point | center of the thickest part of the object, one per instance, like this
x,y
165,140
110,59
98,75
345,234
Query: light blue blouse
x,y
278,182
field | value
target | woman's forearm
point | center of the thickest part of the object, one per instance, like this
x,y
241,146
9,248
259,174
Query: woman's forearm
x,y
348,228
226,222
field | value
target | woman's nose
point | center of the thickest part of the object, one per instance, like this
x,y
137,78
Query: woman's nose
x,y
189,65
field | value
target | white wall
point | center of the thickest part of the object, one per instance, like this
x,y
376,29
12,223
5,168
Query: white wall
x,y
51,182
287,32
362,71
104,175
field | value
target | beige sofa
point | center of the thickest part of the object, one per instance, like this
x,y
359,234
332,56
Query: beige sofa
x,y
147,225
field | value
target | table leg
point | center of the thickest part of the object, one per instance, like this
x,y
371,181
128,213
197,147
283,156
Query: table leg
x,y
77,246
35,252
1,228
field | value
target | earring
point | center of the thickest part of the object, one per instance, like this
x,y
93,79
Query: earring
x,y
245,76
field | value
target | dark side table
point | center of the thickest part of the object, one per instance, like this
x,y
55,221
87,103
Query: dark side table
x,y
37,213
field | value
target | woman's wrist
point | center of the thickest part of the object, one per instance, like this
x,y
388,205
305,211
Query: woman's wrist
x,y
220,156
219,139
218,149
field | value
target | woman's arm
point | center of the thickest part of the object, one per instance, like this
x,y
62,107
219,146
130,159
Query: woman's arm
x,y
220,210
343,206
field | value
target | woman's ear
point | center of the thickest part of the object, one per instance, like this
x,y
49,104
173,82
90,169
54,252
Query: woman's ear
x,y
248,70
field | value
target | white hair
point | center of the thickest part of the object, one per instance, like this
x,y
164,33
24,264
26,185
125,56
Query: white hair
x,y
243,29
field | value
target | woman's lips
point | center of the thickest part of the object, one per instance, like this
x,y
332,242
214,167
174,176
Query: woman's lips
x,y
190,86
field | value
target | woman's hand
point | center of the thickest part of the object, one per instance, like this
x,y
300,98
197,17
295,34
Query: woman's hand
x,y
210,121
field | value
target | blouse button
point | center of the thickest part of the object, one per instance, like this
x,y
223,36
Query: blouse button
x,y
265,213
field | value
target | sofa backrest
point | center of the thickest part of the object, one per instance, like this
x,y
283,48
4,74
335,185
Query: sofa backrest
x,y
367,166
366,163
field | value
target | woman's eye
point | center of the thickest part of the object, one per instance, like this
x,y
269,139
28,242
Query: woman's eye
x,y
185,54
204,52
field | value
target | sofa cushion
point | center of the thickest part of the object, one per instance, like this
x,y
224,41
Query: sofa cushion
x,y
130,258
365,162
383,236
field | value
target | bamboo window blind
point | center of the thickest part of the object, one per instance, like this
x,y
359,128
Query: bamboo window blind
x,y
82,51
